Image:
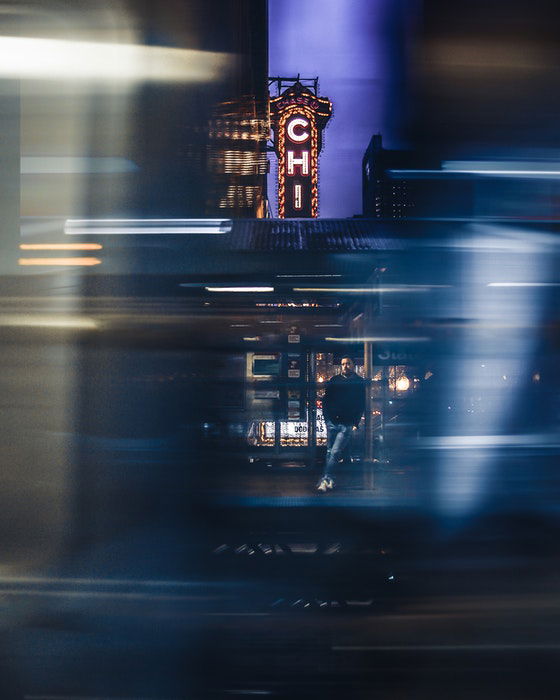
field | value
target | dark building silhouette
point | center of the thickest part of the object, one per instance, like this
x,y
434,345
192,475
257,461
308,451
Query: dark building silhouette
x,y
383,198
402,184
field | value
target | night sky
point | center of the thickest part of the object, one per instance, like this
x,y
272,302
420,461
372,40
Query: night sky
x,y
349,44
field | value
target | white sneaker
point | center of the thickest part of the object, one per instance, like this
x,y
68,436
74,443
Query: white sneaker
x,y
326,484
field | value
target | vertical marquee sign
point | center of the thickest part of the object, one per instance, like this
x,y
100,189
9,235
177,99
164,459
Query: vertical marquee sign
x,y
298,118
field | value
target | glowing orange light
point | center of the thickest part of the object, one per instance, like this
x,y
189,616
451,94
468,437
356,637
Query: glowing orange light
x,y
403,383
48,262
61,246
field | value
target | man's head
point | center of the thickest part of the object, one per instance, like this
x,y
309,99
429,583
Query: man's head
x,y
347,366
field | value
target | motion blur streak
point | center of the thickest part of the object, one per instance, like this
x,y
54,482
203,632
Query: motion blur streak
x,y
501,166
51,165
524,284
475,54
307,276
80,227
453,647
469,442
239,289
42,321
162,535
471,171
371,290
53,59
379,339
492,366
60,261
114,582
61,246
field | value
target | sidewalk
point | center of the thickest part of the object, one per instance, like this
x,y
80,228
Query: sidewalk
x,y
375,484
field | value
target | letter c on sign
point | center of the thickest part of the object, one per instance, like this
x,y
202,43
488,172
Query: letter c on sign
x,y
301,137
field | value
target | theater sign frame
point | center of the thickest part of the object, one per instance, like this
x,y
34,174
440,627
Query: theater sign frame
x,y
298,118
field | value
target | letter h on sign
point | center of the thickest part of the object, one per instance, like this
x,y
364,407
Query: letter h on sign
x,y
303,162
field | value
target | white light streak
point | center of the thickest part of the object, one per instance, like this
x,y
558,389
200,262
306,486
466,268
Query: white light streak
x,y
498,172
98,227
379,339
46,321
307,276
239,289
54,59
501,167
524,284
476,442
402,288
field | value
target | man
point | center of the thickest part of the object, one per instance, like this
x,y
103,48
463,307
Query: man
x,y
343,408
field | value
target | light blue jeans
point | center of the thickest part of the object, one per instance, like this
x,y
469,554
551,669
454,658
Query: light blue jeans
x,y
338,437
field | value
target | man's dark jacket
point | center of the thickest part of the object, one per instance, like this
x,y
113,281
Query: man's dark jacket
x,y
345,399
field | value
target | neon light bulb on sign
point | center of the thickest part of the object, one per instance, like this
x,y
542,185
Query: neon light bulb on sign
x,y
303,162
297,197
298,122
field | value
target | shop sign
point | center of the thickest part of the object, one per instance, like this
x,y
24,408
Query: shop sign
x,y
294,370
261,394
394,356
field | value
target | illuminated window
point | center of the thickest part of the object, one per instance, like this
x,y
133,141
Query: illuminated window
x,y
239,196
232,162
